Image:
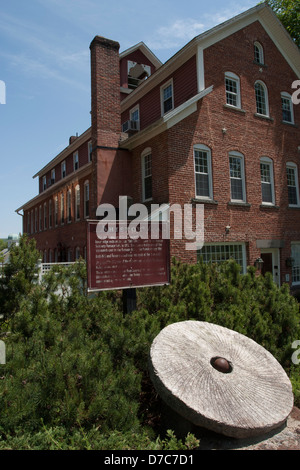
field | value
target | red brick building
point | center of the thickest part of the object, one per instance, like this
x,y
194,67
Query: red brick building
x,y
214,125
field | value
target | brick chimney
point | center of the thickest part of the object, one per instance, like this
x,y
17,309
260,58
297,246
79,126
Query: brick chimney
x,y
105,92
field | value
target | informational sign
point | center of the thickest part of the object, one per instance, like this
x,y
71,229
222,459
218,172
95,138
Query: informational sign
x,y
122,259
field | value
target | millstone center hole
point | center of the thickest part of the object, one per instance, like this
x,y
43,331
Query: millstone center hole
x,y
221,364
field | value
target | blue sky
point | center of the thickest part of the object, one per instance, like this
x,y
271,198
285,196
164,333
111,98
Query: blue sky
x,y
45,66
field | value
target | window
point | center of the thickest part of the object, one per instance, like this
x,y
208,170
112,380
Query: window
x,y
44,183
69,198
53,176
40,218
28,222
221,252
203,176
135,118
45,216
31,223
35,220
232,87
77,202
50,214
292,184
86,199
63,169
287,108
258,53
261,96
56,211
75,161
267,183
147,174
62,209
90,150
77,253
237,176
295,253
167,100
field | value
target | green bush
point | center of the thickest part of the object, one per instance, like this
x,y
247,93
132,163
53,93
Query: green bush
x,y
76,373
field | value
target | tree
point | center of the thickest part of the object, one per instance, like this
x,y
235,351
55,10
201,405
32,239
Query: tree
x,y
18,275
288,12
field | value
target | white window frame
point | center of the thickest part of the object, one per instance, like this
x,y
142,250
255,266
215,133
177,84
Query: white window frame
x,y
90,150
75,161
207,150
86,198
234,78
241,157
266,98
50,213
223,245
62,209
147,152
268,161
261,60
286,96
56,211
45,215
44,183
69,206
162,100
293,166
53,176
63,169
296,264
134,110
77,202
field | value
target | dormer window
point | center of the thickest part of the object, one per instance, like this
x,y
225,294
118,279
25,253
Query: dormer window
x,y
258,53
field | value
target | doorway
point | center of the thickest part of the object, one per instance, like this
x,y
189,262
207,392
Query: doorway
x,y
270,257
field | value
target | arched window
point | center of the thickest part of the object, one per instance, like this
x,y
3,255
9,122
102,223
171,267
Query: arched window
x,y
258,53
77,202
261,96
232,89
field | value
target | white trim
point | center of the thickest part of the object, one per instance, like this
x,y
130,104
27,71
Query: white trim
x,y
242,158
146,152
295,168
275,262
266,95
261,52
200,69
288,97
268,161
162,101
233,243
232,76
202,147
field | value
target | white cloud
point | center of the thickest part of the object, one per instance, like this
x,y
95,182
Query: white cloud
x,y
181,31
176,34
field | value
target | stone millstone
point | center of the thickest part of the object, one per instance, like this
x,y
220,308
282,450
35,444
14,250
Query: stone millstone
x,y
219,379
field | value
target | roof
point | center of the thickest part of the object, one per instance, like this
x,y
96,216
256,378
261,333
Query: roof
x,y
261,12
145,50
